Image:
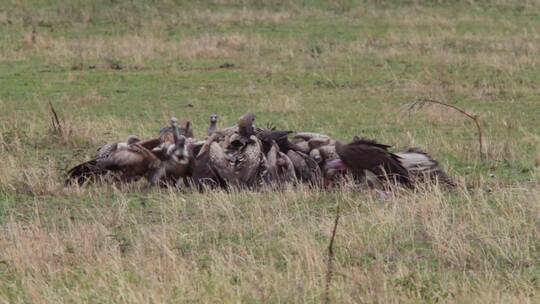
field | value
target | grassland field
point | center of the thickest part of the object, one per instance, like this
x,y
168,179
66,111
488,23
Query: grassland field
x,y
112,68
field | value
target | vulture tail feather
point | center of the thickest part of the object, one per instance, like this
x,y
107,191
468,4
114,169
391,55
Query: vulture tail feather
x,y
84,172
423,167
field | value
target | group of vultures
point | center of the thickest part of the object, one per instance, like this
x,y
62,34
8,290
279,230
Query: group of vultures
x,y
247,157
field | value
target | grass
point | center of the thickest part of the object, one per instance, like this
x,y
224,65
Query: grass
x,y
344,68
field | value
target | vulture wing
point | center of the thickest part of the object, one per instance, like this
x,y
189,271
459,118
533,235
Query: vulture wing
x,y
135,161
328,152
248,163
150,143
286,168
310,135
267,137
220,164
306,168
363,155
203,174
84,172
422,167
271,160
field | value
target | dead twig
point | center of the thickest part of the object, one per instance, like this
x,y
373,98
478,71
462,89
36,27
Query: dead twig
x,y
56,124
474,117
330,261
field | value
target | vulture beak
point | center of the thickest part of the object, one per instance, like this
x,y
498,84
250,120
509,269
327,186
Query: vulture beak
x,y
336,164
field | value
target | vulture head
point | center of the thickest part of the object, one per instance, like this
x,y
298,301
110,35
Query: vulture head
x,y
315,154
246,129
132,139
213,124
178,151
245,125
172,142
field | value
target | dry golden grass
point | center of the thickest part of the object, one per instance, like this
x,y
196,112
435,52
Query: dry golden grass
x,y
271,247
245,17
281,104
136,49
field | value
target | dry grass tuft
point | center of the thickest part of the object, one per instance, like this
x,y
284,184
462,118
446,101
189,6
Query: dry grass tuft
x,y
281,104
138,49
92,97
238,17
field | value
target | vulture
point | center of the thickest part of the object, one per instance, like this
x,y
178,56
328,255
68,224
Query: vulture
x,y
279,166
291,161
236,160
280,138
167,137
128,160
367,155
177,161
246,156
213,124
204,175
306,169
245,125
367,159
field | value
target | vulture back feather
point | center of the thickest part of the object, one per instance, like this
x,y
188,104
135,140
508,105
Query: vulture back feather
x,y
363,154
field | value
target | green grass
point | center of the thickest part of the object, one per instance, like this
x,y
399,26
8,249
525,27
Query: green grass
x,y
343,68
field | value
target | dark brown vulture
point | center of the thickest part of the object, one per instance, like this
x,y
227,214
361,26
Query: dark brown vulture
x,y
367,155
269,137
